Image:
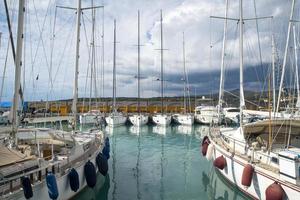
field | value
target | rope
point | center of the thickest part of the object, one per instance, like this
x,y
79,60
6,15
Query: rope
x,y
239,97
6,57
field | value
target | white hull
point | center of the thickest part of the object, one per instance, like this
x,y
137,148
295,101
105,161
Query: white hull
x,y
207,119
139,120
162,120
184,119
116,120
206,115
40,189
261,178
89,119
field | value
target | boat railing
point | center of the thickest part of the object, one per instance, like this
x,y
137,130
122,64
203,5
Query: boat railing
x,y
36,176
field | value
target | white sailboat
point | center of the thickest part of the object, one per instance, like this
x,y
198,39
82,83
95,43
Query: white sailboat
x,y
139,119
260,158
161,119
45,163
115,118
92,116
206,114
185,118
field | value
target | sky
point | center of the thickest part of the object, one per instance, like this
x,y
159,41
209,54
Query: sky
x,y
49,62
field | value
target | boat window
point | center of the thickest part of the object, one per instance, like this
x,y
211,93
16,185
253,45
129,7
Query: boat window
x,y
274,160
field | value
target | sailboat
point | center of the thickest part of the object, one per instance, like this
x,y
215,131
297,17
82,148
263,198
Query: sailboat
x,y
185,118
139,119
260,158
115,118
42,163
92,116
162,119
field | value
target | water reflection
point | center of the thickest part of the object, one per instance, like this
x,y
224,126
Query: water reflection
x,y
201,131
218,188
161,130
183,129
160,163
100,191
138,130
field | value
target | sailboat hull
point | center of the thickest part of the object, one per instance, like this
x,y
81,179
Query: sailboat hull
x,y
262,178
139,120
116,120
206,115
162,120
40,189
88,118
184,119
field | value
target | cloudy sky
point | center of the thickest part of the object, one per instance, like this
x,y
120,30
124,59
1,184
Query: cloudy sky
x,y
49,63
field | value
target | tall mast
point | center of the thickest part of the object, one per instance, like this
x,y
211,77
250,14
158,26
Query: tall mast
x,y
114,70
296,67
75,89
184,74
102,40
12,44
242,100
139,60
221,90
285,54
273,74
93,61
161,64
18,63
94,53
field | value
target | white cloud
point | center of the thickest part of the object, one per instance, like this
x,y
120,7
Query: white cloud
x,y
190,16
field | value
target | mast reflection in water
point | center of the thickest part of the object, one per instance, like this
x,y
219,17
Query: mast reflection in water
x,y
160,163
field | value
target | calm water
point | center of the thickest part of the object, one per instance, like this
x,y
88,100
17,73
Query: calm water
x,y
159,163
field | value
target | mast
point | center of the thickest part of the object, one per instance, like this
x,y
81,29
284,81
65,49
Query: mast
x,y
273,74
114,70
75,89
94,53
242,100
285,54
139,60
102,70
161,64
296,67
18,63
93,61
12,44
184,74
221,90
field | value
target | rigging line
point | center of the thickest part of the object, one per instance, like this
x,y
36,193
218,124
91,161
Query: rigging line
x,y
24,51
230,55
4,71
239,97
85,86
258,37
52,44
6,57
31,53
63,26
41,37
266,77
89,55
10,28
69,38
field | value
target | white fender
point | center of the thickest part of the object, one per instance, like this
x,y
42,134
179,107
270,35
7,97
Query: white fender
x,y
210,150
